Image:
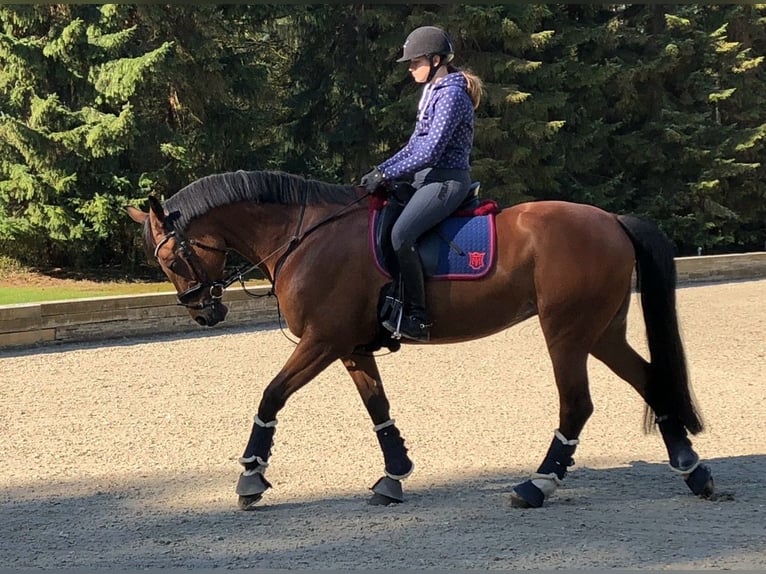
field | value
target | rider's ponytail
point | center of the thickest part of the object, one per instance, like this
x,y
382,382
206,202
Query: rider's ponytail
x,y
475,87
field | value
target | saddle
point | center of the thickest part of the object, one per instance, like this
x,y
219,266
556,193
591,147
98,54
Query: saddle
x,y
460,248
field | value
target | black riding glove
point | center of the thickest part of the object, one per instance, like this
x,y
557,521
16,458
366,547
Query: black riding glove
x,y
372,180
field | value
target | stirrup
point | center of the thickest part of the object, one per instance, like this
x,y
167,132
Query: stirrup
x,y
390,308
394,321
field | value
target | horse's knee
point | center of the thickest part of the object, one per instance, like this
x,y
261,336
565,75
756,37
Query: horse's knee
x,y
272,401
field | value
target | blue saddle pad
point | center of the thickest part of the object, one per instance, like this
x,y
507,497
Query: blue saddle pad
x,y
459,248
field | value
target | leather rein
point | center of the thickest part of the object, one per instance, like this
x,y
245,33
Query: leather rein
x,y
184,249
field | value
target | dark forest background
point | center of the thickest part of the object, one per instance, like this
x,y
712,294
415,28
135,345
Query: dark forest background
x,y
658,110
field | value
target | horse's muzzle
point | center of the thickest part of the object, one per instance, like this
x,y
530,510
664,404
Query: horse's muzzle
x,y
210,315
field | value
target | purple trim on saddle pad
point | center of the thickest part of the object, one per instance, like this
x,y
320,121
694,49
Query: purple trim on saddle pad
x,y
458,249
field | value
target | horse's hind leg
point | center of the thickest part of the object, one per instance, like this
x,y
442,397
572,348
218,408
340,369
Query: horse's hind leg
x,y
570,371
613,349
364,372
570,331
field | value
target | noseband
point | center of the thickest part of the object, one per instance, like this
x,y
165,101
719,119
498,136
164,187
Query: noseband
x,y
214,289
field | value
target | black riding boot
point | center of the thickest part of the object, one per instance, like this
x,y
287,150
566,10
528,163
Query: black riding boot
x,y
415,324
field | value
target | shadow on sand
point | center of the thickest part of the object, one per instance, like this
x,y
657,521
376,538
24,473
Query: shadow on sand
x,y
639,516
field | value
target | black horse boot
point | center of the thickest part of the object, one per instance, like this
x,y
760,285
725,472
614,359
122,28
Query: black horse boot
x,y
415,324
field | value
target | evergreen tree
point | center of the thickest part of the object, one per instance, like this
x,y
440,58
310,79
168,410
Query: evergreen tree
x,y
66,120
736,186
583,64
521,115
666,150
341,88
654,109
107,103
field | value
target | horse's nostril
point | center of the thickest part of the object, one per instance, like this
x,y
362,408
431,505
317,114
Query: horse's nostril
x,y
201,320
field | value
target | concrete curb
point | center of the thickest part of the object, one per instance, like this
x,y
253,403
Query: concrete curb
x,y
128,316
104,318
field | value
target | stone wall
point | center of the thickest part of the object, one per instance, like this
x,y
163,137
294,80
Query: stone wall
x,y
129,316
721,267
121,317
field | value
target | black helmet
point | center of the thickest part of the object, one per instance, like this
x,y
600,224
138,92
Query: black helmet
x,y
427,41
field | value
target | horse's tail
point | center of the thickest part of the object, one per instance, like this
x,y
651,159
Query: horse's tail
x,y
668,382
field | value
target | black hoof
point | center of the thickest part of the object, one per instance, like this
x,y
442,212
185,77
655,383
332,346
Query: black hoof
x,y
250,489
387,491
381,500
700,481
527,495
249,502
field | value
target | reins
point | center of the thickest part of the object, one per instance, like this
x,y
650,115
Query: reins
x,y
297,237
216,288
292,244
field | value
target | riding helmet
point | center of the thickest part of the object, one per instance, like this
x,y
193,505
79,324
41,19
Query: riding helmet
x,y
427,41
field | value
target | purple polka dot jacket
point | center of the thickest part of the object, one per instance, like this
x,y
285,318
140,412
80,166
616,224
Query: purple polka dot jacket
x,y
443,135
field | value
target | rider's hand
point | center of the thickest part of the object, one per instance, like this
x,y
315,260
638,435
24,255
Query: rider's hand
x,y
372,180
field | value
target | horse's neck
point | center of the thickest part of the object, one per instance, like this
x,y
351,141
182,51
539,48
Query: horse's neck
x,y
262,231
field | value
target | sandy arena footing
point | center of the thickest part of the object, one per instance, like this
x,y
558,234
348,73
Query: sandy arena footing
x,y
124,455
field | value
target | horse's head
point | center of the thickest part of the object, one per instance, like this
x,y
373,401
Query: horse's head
x,y
194,263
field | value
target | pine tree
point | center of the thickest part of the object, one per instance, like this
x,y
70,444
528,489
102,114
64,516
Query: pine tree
x,y
665,149
341,90
108,103
654,109
67,120
521,114
736,181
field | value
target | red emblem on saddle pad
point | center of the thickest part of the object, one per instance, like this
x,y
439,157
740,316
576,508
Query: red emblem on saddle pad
x,y
476,259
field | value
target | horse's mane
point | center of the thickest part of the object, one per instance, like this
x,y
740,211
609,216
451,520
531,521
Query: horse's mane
x,y
216,190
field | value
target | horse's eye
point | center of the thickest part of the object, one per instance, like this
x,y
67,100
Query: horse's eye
x,y
173,265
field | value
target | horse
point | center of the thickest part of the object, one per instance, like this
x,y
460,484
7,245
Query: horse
x,y
570,264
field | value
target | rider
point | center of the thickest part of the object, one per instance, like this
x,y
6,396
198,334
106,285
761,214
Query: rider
x,y
436,157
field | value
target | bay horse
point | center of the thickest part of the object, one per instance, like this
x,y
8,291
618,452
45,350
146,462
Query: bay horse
x,y
570,264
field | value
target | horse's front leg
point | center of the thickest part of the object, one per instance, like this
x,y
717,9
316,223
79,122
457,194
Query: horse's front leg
x,y
398,466
308,359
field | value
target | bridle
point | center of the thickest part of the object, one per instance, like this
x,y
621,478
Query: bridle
x,y
215,289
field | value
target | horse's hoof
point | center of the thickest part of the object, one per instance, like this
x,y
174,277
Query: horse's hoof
x,y
527,495
518,502
387,491
700,481
249,502
381,500
250,485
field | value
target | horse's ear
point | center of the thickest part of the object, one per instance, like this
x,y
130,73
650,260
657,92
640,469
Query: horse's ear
x,y
156,207
136,214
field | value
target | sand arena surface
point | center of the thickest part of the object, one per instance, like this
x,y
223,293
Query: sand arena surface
x,y
124,455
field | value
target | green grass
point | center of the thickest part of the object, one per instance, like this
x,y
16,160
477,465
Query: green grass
x,y
35,294
20,284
